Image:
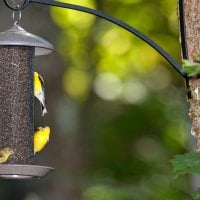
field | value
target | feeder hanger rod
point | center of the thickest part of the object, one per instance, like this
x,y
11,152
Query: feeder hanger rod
x,y
112,19
183,29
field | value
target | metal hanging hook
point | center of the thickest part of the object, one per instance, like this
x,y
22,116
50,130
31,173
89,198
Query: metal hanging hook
x,y
17,15
110,18
16,4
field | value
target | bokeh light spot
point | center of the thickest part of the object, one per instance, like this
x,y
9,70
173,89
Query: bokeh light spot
x,y
76,83
63,17
134,92
108,86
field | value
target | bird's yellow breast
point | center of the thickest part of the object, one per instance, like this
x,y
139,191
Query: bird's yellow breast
x,y
41,137
37,84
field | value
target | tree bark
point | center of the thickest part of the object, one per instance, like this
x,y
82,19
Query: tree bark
x,y
191,23
192,27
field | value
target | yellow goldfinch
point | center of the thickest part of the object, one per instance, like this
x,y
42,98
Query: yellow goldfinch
x,y
5,153
41,137
39,91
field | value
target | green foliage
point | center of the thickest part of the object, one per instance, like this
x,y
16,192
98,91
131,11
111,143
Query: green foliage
x,y
196,194
110,192
186,164
104,192
191,68
131,105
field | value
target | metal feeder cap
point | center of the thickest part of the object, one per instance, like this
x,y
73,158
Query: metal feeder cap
x,y
17,36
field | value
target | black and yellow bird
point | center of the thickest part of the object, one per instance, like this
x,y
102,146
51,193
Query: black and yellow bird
x,y
39,92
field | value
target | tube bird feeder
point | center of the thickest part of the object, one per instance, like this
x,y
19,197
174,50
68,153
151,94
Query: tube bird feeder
x,y
17,51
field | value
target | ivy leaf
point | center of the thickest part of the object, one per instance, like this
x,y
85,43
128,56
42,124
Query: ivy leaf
x,y
186,164
191,68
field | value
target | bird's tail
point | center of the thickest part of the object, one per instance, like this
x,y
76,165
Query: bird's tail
x,y
42,103
44,109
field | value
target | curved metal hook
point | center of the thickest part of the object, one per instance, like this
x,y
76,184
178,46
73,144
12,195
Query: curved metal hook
x,y
118,22
17,18
16,5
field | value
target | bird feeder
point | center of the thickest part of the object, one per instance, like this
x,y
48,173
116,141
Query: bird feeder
x,y
17,51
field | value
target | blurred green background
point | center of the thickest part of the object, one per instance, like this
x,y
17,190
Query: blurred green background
x,y
116,108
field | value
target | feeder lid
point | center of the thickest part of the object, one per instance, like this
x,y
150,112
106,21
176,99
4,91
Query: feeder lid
x,y
17,36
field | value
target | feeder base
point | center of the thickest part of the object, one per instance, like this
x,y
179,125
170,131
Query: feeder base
x,y
11,171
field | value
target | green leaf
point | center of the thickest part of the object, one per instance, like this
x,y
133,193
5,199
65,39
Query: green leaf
x,y
198,55
196,194
191,68
186,164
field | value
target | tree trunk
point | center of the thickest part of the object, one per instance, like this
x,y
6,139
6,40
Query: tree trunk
x,y
190,39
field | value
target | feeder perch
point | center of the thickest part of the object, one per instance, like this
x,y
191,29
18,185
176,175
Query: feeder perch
x,y
17,51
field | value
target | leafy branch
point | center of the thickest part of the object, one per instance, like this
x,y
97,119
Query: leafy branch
x,y
187,164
